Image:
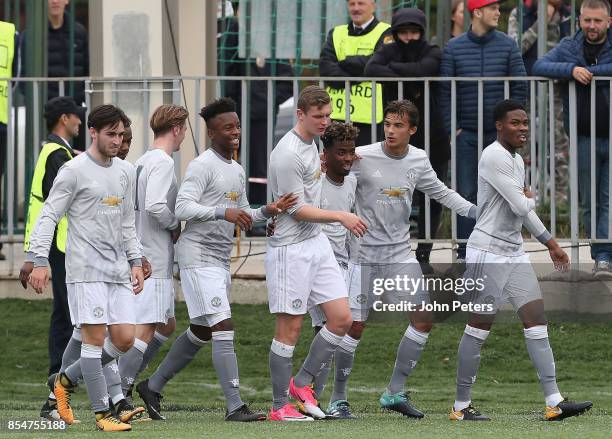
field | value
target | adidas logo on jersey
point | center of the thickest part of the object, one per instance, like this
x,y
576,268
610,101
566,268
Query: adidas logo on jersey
x,y
377,174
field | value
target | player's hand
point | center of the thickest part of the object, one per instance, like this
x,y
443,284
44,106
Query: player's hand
x,y
285,202
239,217
559,258
271,227
176,234
582,75
323,162
137,279
528,193
146,268
353,224
39,278
24,273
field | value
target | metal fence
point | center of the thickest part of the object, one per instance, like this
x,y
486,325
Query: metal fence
x,y
139,97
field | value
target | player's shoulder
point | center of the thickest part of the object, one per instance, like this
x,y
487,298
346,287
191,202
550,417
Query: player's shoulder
x,y
369,150
416,153
350,183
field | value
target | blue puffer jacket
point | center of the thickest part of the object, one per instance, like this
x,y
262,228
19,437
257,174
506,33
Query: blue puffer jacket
x,y
559,63
493,54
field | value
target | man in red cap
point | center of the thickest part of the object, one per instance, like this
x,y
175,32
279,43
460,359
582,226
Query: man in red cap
x,y
482,51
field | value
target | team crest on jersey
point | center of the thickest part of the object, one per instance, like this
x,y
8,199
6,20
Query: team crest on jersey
x,y
296,304
232,196
123,182
216,301
394,192
98,312
411,174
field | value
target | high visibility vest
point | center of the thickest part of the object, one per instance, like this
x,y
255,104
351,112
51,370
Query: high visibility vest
x,y
37,202
7,52
361,94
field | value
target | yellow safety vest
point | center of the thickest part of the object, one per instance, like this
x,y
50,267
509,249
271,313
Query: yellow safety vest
x,y
361,94
7,52
37,202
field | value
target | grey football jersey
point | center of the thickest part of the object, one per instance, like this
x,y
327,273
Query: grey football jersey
x,y
502,205
383,198
156,189
295,167
212,184
336,196
101,229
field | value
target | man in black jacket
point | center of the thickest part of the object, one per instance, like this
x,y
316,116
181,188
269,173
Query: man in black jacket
x,y
409,55
58,57
346,52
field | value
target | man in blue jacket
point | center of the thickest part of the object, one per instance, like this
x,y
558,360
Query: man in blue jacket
x,y
482,51
588,54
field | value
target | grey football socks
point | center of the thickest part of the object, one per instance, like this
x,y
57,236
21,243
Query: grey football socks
x,y
538,346
184,348
152,349
73,350
321,352
113,381
226,365
281,356
91,367
130,363
408,354
344,358
468,361
109,353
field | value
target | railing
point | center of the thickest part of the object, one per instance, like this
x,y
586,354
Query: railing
x,y
139,97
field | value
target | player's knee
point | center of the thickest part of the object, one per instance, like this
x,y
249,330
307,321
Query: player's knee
x,y
356,330
422,326
225,325
123,342
204,333
340,324
168,329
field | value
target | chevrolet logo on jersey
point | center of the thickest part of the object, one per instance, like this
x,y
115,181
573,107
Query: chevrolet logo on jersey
x,y
394,192
112,201
232,196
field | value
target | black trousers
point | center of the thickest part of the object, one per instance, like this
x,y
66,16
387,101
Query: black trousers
x,y
424,249
60,328
3,153
258,160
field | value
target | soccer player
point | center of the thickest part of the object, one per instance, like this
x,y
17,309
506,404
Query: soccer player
x,y
158,229
301,270
387,175
495,256
337,193
95,191
212,199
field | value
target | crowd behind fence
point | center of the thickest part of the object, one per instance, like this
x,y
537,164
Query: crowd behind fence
x,y
139,97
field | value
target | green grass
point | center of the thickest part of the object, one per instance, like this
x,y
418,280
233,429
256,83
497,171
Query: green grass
x,y
507,387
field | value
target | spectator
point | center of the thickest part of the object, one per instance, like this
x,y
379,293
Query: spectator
x,y
257,105
482,51
409,55
63,121
558,26
457,18
580,58
9,67
58,56
346,52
